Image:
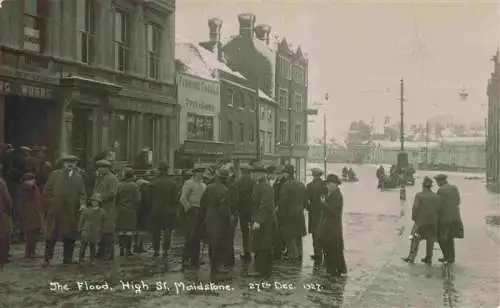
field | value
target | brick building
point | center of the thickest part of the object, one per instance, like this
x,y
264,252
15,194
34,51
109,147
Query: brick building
x,y
493,124
87,76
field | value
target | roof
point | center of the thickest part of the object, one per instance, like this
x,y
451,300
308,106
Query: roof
x,y
409,145
199,61
265,96
464,140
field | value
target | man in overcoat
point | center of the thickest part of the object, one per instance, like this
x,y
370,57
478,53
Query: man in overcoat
x,y
316,191
164,202
425,215
106,185
330,227
245,186
450,221
65,194
128,198
5,220
216,211
291,205
263,224
279,242
233,195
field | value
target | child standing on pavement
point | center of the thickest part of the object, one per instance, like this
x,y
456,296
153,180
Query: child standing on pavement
x,y
91,222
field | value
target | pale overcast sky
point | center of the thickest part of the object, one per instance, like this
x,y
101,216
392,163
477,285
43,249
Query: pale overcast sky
x,y
358,52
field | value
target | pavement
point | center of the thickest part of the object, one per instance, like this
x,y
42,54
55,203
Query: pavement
x,y
376,236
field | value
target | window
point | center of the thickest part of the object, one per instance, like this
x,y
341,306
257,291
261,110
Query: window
x,y
122,129
283,98
230,136
35,12
251,102
241,136
239,99
262,112
285,67
298,103
298,134
269,142
200,127
230,97
251,133
270,115
283,132
262,141
153,35
86,31
121,41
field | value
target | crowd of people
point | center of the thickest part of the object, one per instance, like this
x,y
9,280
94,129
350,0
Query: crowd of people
x,y
266,202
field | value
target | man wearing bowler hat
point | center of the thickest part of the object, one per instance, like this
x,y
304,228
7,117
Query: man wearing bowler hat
x,y
106,186
330,228
65,194
450,224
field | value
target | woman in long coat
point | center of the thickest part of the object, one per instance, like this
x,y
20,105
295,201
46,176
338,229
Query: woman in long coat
x,y
5,222
331,236
29,202
128,198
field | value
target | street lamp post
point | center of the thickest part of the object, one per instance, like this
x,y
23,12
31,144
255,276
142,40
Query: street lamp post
x,y
325,152
402,157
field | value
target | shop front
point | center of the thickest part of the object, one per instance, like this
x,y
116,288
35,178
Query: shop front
x,y
199,151
295,155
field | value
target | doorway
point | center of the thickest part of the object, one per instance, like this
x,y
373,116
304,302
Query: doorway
x,y
82,136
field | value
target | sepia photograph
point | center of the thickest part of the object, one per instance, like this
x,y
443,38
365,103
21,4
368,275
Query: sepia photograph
x,y
249,153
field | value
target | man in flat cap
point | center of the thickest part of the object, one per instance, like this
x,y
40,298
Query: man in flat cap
x,y
330,228
216,213
106,186
291,205
316,192
245,186
450,224
164,199
65,194
190,199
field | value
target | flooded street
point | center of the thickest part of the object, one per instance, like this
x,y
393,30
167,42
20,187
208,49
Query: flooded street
x,y
375,232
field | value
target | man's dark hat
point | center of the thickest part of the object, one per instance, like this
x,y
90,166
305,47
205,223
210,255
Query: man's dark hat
x,y
128,173
25,149
333,178
163,166
289,169
224,173
199,169
69,158
28,176
103,163
316,172
441,177
427,182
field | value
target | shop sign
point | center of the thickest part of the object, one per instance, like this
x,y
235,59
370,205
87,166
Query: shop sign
x,y
31,39
198,95
13,88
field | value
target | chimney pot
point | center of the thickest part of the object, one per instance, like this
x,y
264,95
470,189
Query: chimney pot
x,y
214,27
263,32
247,24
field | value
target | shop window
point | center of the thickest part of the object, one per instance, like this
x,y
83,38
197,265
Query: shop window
x,y
122,129
200,127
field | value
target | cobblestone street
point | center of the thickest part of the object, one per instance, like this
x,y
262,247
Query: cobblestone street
x,y
377,276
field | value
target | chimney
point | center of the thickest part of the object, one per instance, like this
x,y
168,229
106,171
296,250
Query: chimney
x,y
214,27
263,33
247,24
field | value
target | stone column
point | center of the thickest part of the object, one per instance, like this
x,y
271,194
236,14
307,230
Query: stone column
x,y
65,146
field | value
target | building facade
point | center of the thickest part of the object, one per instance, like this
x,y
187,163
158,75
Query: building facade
x,y
100,72
267,128
199,97
493,124
276,70
291,91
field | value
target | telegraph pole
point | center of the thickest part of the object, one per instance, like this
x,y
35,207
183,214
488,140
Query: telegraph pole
x,y
290,104
402,126
426,144
402,157
257,113
325,152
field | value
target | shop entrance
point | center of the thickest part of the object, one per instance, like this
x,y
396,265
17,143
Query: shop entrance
x,y
30,122
81,135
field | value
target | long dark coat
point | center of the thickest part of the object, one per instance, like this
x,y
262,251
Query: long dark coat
x,y
216,214
5,212
164,201
29,204
425,213
91,222
245,189
263,213
316,190
450,220
144,207
106,186
64,195
330,228
291,205
128,198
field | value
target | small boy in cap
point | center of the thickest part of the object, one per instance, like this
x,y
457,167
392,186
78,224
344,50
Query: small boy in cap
x,y
90,227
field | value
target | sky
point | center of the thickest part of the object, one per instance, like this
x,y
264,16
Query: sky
x,y
359,51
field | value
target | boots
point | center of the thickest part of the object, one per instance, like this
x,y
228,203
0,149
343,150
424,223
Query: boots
x,y
412,254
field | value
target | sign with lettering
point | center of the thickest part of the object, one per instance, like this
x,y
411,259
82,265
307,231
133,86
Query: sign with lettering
x,y
198,95
15,88
31,39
